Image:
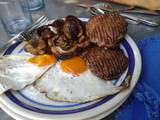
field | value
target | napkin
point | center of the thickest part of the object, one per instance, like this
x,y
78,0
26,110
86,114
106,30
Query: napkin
x,y
144,102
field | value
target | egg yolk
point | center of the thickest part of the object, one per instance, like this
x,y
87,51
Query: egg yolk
x,y
42,60
75,66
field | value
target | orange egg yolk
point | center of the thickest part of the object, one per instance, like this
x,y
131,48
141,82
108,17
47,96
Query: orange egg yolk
x,y
75,66
42,60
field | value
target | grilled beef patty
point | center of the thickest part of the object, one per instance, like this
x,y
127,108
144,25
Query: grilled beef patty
x,y
107,64
106,30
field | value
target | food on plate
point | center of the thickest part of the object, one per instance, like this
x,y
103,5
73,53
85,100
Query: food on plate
x,y
59,85
106,30
75,66
64,48
16,72
72,28
45,33
75,61
58,25
37,47
63,38
73,37
42,60
71,40
107,64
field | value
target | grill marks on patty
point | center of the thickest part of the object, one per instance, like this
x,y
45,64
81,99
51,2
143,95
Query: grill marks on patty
x,y
106,30
106,64
106,60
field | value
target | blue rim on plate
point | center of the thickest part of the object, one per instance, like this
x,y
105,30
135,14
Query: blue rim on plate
x,y
89,106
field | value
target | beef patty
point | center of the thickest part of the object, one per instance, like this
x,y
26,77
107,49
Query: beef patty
x,y
106,30
106,64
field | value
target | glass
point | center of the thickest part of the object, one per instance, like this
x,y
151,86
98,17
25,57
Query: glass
x,y
14,17
34,4
3,34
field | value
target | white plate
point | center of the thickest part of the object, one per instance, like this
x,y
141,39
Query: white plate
x,y
12,114
31,104
19,117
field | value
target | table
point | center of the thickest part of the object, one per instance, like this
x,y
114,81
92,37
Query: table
x,y
62,8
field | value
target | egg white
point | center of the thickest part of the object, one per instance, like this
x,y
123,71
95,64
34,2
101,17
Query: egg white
x,y
61,86
16,72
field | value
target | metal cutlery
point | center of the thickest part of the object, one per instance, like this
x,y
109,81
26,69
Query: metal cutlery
x,y
144,20
138,19
134,16
26,34
108,7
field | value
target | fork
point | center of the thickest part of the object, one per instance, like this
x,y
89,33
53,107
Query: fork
x,y
26,34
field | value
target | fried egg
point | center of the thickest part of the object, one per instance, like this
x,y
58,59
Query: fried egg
x,y
74,66
18,71
71,81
